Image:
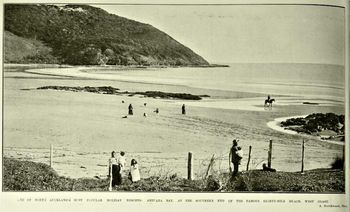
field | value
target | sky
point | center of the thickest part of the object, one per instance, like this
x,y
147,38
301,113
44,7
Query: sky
x,y
249,33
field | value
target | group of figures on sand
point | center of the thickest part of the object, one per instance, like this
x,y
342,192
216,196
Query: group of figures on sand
x,y
117,168
131,110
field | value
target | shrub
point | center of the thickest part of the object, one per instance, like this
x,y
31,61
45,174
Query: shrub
x,y
338,163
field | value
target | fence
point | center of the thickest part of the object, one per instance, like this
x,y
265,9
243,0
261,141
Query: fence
x,y
252,160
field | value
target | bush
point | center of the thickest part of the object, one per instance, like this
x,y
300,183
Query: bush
x,y
338,163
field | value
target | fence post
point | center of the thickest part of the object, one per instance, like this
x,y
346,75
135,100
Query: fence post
x,y
250,150
344,157
209,166
269,158
51,155
302,156
189,166
110,177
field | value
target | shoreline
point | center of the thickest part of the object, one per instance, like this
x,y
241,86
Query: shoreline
x,y
276,125
121,67
206,129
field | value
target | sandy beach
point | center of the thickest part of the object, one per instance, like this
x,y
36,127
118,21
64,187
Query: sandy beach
x,y
85,127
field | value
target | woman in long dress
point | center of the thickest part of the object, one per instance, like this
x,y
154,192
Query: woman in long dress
x,y
134,171
113,164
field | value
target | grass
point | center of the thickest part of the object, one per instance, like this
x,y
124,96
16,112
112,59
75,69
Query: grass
x,y
29,176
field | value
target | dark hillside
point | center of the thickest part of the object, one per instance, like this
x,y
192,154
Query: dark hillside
x,y
25,50
85,35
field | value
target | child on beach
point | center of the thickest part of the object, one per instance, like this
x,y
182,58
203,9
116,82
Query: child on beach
x,y
134,171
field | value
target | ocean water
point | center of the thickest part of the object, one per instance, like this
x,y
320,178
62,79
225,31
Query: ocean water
x,y
317,80
84,127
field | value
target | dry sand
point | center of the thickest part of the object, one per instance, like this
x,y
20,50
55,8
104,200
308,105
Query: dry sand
x,y
85,127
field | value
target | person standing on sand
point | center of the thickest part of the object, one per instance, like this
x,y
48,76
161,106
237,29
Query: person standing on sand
x,y
113,164
235,157
134,171
183,109
122,162
131,112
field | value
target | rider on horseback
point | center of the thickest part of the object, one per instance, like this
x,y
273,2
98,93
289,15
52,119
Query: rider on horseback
x,y
268,102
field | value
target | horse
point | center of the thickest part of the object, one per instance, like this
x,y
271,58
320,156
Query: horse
x,y
268,102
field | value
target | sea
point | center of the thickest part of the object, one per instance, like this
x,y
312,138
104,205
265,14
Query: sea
x,y
237,90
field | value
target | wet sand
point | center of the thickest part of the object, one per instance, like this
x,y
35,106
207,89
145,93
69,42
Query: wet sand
x,y
85,127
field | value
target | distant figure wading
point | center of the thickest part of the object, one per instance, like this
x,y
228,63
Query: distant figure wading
x,y
183,109
131,112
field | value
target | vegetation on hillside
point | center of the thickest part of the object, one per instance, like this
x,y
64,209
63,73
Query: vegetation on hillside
x,y
30,176
85,35
26,50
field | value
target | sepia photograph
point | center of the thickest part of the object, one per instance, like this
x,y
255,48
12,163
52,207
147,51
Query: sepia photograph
x,y
174,98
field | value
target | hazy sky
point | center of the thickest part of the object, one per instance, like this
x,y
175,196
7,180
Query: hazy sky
x,y
249,33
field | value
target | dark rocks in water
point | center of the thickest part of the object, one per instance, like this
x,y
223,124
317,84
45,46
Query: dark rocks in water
x,y
316,122
102,89
82,167
165,95
116,91
310,103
